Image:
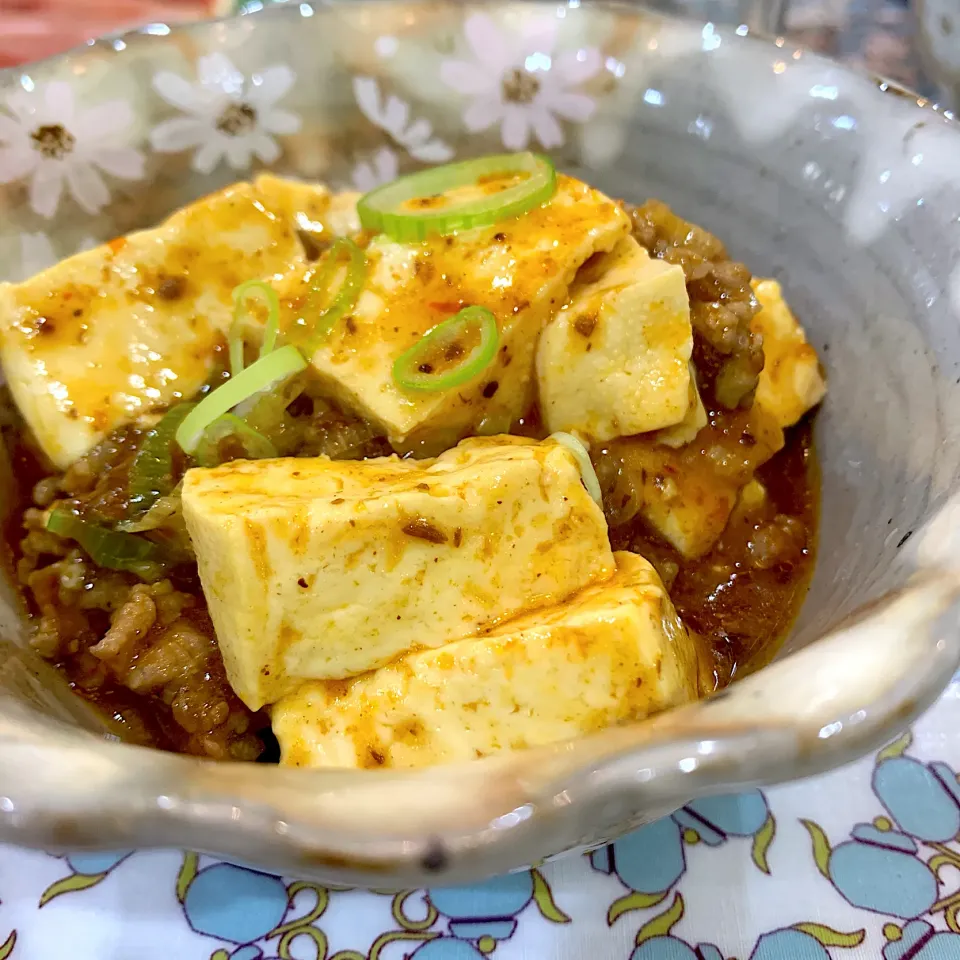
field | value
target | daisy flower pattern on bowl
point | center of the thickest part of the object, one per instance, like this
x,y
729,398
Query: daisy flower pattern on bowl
x,y
37,253
392,115
515,80
225,114
382,167
48,139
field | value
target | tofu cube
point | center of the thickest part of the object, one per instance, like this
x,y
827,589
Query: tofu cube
x,y
520,269
614,653
311,207
693,421
132,326
615,360
791,382
687,495
315,569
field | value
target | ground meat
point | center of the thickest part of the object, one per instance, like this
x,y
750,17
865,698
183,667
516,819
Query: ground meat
x,y
723,457
46,491
148,652
779,542
181,665
727,354
109,632
329,431
131,622
748,588
98,481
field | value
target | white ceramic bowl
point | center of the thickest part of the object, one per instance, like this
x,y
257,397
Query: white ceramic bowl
x,y
810,173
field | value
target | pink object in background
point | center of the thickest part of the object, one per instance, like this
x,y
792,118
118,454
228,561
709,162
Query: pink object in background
x,y
32,29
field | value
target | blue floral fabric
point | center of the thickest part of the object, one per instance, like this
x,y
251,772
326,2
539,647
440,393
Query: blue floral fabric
x,y
862,863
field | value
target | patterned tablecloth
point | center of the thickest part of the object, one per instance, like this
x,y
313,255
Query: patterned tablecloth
x,y
863,863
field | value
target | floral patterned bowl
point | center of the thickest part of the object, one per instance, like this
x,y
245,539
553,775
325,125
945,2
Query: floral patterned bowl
x,y
811,173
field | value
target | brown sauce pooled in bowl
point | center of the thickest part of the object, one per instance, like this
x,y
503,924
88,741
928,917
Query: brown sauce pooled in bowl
x,y
743,596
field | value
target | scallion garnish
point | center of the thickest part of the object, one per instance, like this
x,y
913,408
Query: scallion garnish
x,y
235,343
421,367
242,294
107,548
229,426
151,474
261,375
317,321
160,513
413,207
587,472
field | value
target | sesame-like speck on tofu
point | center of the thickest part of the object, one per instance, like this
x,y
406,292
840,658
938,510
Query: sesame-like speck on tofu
x,y
134,325
520,269
616,652
315,569
615,360
791,383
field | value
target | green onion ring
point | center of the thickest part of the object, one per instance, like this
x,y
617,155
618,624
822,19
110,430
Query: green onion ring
x,y
380,210
407,372
259,376
242,293
345,299
587,472
107,548
254,443
151,474
160,513
235,345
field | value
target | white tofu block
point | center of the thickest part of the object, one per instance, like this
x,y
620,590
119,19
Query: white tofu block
x,y
520,269
112,333
693,422
791,382
615,360
614,653
311,206
316,569
687,495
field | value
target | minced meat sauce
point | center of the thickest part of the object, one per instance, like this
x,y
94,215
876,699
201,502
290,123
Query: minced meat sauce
x,y
146,653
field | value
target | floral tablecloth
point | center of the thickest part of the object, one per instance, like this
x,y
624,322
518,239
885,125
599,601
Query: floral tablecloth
x,y
863,863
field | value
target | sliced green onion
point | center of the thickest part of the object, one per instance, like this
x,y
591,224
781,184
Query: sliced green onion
x,y
151,474
244,292
317,328
587,472
107,548
161,513
267,414
254,444
235,344
413,371
261,375
381,209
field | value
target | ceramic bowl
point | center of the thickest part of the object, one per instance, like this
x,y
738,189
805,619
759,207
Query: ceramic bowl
x,y
811,173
